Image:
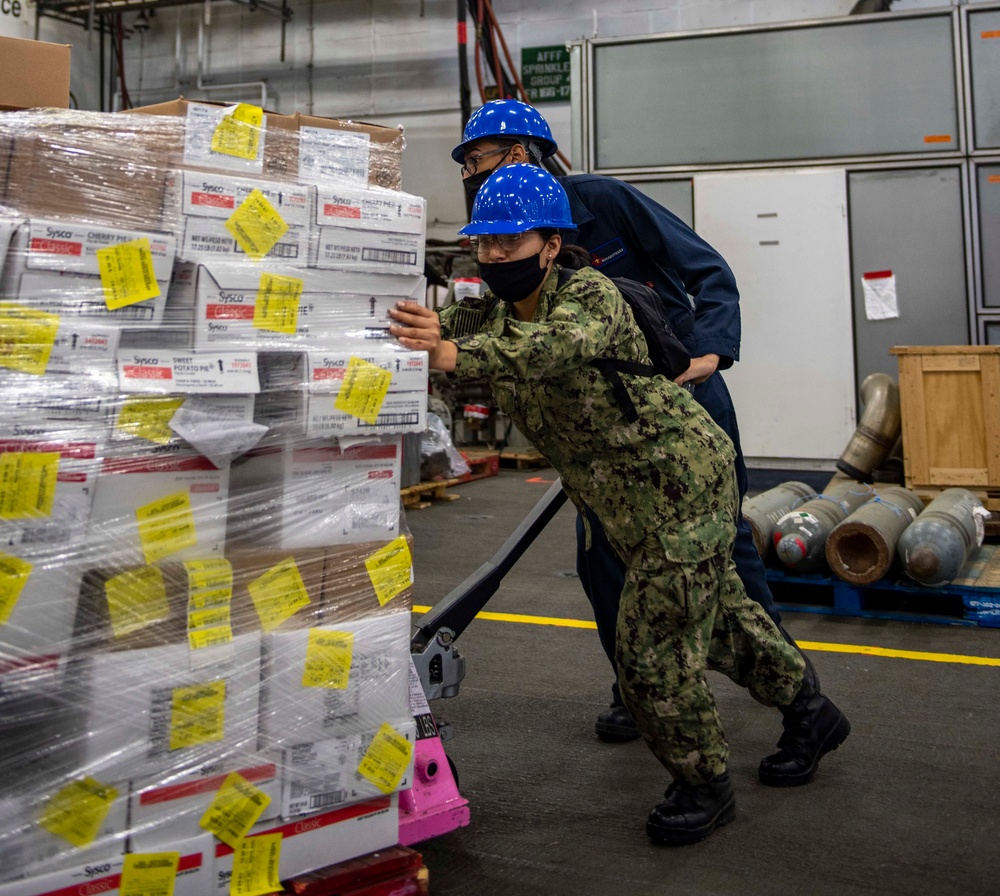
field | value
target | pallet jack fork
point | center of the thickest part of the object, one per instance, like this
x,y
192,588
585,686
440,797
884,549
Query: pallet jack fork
x,y
434,806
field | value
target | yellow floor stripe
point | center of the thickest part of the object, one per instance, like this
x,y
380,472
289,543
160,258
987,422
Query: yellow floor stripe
x,y
920,655
823,646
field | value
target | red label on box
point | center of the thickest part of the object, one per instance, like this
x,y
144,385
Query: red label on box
x,y
355,452
145,372
204,488
316,822
33,663
229,312
66,450
156,464
380,474
56,247
113,881
209,784
71,477
341,211
213,200
328,373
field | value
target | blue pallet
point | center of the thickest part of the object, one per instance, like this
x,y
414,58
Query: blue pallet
x,y
890,598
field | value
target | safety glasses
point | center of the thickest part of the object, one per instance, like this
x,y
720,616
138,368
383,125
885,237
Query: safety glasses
x,y
472,162
508,242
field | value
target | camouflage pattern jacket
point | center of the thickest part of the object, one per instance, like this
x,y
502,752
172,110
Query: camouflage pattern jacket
x,y
671,470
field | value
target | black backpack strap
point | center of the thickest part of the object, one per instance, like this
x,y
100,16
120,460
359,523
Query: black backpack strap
x,y
633,367
608,368
612,368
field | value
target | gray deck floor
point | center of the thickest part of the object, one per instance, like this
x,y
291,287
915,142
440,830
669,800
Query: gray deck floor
x,y
907,805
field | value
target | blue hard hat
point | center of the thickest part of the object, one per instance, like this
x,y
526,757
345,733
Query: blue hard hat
x,y
507,119
520,197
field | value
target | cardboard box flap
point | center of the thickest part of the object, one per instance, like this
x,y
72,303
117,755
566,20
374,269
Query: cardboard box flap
x,y
33,73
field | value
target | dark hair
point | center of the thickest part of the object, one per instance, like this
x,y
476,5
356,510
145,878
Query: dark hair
x,y
573,257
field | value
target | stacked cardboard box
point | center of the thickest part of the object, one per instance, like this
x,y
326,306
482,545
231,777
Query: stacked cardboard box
x,y
205,575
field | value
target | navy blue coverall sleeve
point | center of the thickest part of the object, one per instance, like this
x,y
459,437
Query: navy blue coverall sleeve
x,y
630,235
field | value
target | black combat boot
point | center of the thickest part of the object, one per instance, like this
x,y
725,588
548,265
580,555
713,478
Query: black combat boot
x,y
813,726
616,725
691,812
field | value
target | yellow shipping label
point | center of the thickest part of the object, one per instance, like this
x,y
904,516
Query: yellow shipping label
x,y
27,484
386,759
166,526
328,659
278,594
363,391
14,573
199,600
127,274
210,637
277,305
238,133
26,338
256,225
390,570
210,616
149,418
136,599
198,714
78,810
255,866
211,574
235,809
149,874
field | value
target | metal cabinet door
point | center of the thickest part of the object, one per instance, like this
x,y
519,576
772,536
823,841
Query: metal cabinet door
x,y
784,233
987,186
984,76
909,222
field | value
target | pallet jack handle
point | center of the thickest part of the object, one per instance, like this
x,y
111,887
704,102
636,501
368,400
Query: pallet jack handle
x,y
440,667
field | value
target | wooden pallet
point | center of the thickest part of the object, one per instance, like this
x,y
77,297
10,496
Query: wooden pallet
x,y
417,497
971,599
523,460
483,463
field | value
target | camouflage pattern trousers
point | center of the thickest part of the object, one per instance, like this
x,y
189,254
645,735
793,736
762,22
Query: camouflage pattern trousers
x,y
676,620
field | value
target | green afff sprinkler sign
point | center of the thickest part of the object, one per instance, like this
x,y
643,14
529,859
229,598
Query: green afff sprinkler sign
x,y
545,74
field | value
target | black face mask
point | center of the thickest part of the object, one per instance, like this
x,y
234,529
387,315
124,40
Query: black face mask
x,y
474,181
513,281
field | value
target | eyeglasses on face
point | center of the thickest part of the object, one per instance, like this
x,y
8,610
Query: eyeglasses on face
x,y
472,162
508,242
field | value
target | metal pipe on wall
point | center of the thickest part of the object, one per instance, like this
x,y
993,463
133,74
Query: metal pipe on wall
x,y
203,66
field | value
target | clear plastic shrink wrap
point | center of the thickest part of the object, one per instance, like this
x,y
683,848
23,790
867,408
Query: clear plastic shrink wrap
x,y
205,573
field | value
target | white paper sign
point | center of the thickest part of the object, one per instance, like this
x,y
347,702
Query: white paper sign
x,y
880,295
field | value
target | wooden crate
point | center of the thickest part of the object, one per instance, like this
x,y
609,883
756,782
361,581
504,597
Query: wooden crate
x,y
950,402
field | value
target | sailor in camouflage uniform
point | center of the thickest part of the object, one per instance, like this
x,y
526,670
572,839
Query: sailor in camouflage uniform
x,y
663,487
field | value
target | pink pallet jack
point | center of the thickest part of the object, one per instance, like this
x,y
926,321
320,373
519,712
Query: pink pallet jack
x,y
434,806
